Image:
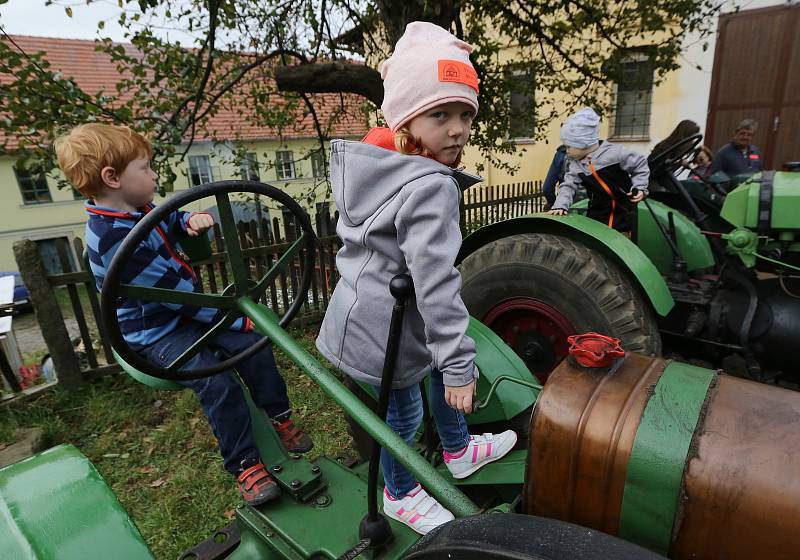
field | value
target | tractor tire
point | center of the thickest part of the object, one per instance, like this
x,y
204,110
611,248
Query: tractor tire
x,y
510,536
534,288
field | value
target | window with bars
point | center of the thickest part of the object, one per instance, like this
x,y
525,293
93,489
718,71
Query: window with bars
x,y
200,171
249,167
284,164
521,109
633,99
318,167
34,188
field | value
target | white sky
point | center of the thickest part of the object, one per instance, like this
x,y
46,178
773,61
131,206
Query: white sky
x,y
32,17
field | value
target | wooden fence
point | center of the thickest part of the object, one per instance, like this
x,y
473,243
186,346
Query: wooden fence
x,y
262,246
487,204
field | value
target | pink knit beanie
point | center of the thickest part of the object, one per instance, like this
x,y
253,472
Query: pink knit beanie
x,y
429,67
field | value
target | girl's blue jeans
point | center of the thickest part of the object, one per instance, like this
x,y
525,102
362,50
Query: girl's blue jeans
x,y
220,395
404,416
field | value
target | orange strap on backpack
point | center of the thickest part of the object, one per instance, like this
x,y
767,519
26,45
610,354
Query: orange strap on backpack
x,y
608,192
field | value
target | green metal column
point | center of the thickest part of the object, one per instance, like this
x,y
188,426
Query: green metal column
x,y
452,498
658,458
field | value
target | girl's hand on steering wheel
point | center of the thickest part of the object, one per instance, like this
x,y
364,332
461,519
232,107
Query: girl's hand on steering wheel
x,y
198,223
557,212
460,398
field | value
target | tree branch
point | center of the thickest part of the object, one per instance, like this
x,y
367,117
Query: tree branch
x,y
331,77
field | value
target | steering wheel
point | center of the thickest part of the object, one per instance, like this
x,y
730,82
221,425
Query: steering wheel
x,y
674,155
241,288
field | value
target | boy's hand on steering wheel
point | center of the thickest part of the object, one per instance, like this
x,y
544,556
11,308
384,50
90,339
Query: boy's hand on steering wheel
x,y
460,398
557,212
198,223
636,195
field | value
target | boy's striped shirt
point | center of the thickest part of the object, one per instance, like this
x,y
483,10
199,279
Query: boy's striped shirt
x,y
155,263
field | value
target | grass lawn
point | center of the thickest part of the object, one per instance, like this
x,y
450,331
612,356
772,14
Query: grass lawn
x,y
157,451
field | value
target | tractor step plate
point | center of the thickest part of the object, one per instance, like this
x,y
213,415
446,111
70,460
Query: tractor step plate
x,y
324,526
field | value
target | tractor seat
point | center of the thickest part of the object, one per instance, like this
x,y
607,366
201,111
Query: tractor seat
x,y
149,380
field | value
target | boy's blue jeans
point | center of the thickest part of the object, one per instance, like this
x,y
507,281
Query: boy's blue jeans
x,y
221,396
404,416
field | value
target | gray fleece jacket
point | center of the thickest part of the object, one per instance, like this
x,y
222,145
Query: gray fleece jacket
x,y
616,165
397,213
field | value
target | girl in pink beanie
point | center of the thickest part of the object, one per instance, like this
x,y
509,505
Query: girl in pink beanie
x,y
398,192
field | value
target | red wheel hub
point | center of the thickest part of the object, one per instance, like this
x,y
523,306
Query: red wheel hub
x,y
535,330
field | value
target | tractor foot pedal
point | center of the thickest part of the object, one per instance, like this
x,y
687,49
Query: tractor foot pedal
x,y
217,546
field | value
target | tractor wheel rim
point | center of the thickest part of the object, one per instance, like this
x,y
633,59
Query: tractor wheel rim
x,y
535,330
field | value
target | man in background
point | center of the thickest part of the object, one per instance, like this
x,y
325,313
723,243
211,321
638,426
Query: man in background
x,y
739,156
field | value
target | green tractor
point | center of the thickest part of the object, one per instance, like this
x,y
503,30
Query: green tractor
x,y
720,285
623,455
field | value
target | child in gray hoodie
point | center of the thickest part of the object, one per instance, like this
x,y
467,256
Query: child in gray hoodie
x,y
398,199
615,178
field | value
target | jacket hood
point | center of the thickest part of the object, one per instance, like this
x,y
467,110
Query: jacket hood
x,y
605,145
364,177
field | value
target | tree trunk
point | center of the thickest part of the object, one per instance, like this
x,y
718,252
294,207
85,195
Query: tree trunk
x,y
396,15
48,314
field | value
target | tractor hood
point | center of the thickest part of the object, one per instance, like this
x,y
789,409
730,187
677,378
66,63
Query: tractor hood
x,y
768,201
364,177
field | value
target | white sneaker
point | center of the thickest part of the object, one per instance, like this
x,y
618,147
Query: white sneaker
x,y
417,509
480,451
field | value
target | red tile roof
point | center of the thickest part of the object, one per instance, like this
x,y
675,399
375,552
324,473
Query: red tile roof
x,y
94,71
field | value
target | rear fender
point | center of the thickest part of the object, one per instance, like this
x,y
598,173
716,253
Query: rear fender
x,y
612,244
493,358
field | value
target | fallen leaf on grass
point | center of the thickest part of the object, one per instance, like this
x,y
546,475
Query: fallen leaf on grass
x,y
111,455
147,470
157,483
230,514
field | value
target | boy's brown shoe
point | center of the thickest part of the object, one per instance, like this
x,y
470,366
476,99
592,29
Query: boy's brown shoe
x,y
292,437
256,486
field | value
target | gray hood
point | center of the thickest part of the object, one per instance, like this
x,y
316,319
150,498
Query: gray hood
x,y
373,175
397,213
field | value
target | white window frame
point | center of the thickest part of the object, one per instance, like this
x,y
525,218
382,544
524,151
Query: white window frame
x,y
284,165
318,166
200,165
26,180
249,167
